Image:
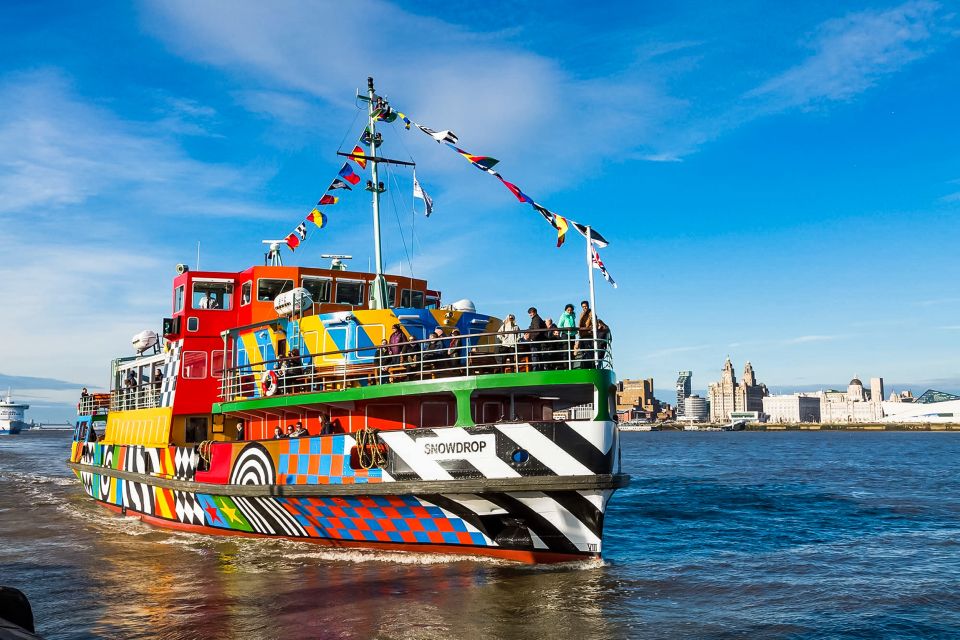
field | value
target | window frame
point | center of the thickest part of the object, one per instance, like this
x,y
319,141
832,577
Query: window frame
x,y
183,365
292,282
327,279
360,298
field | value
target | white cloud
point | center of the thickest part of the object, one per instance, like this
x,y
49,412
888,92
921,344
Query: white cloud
x,y
850,54
502,101
58,152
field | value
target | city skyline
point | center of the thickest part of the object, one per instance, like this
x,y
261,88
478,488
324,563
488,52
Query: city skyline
x,y
779,185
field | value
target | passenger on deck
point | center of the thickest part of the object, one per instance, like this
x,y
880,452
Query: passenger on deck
x,y
507,337
240,430
584,345
130,390
456,352
435,348
412,354
397,340
552,346
299,431
535,336
277,433
84,393
326,426
603,340
291,431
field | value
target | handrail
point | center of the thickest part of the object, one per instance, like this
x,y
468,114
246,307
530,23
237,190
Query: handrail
x,y
564,349
144,396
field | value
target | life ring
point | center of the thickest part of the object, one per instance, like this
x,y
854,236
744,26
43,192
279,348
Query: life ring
x,y
269,382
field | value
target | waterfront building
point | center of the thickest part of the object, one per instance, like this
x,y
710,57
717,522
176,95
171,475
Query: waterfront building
x,y
684,390
837,407
933,406
790,409
876,389
728,396
695,409
635,400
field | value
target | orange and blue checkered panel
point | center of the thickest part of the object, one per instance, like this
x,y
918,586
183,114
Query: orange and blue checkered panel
x,y
320,461
400,519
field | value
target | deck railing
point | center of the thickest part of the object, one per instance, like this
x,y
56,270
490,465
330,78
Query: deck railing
x,y
145,396
93,404
475,354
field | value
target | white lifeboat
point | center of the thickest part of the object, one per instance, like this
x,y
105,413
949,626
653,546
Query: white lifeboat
x,y
293,301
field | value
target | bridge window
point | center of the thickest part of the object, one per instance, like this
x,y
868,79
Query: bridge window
x,y
245,293
212,294
268,289
433,302
194,365
349,292
319,288
178,299
411,299
391,294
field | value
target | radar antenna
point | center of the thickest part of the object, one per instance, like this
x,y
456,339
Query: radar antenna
x,y
336,261
272,257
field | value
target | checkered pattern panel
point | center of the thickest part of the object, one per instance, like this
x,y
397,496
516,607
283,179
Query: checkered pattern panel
x,y
321,461
382,518
171,366
185,460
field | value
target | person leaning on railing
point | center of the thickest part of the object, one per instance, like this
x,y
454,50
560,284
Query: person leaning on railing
x,y
507,336
603,341
435,348
412,356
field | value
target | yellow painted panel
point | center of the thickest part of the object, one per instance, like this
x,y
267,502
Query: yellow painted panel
x,y
147,427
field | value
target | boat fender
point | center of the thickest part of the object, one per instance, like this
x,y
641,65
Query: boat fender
x,y
269,382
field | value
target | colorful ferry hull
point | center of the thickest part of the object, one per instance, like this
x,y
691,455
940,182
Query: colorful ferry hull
x,y
455,490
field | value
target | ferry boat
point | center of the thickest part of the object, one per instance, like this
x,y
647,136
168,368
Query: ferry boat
x,y
418,430
11,416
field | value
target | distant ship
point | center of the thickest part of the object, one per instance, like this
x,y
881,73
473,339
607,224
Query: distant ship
x,y
11,416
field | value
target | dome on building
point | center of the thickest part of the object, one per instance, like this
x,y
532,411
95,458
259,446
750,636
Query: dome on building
x,y
856,381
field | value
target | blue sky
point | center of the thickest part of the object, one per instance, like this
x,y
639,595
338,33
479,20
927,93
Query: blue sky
x,y
779,183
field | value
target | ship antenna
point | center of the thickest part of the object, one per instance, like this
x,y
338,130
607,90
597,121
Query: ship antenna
x,y
375,106
378,299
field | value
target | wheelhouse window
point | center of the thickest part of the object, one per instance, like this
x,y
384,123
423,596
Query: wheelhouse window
x,y
194,365
212,294
245,293
411,299
391,294
349,292
217,363
319,288
178,299
268,288
433,302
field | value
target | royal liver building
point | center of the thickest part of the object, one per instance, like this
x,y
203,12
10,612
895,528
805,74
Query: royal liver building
x,y
727,396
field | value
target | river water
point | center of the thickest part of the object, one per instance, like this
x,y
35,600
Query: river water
x,y
720,535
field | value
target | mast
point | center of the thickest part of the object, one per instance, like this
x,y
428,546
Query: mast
x,y
378,297
593,295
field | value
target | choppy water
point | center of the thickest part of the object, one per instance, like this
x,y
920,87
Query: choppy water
x,y
721,535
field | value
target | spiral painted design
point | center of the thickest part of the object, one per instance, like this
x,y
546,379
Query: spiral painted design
x,y
253,466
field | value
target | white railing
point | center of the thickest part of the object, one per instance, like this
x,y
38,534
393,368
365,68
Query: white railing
x,y
418,360
145,396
